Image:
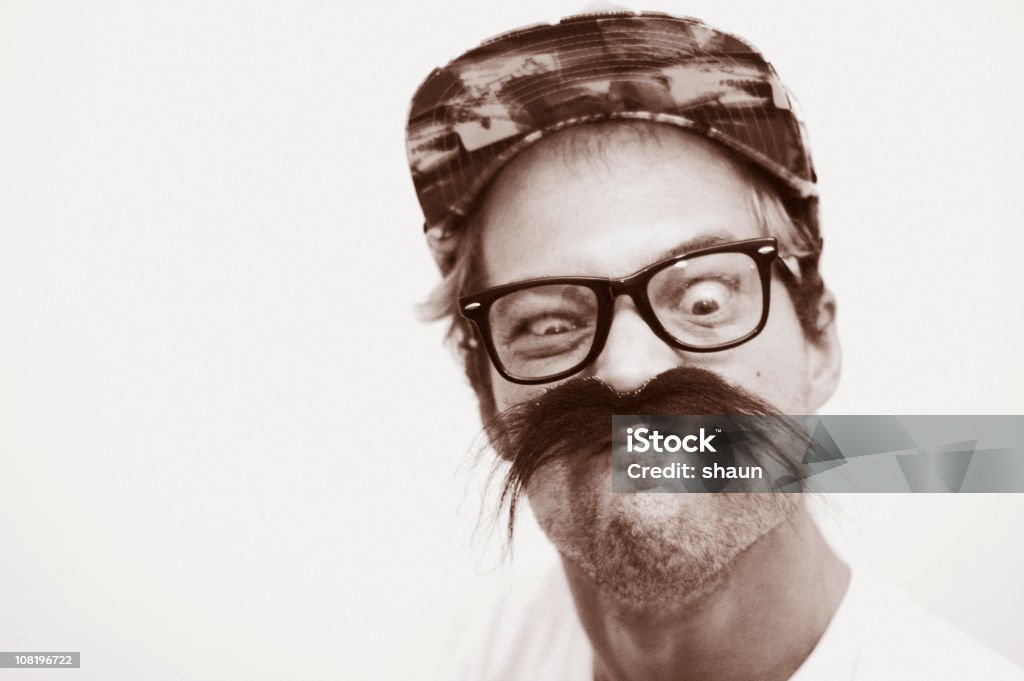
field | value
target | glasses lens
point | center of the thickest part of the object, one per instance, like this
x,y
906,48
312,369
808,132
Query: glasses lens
x,y
544,330
709,300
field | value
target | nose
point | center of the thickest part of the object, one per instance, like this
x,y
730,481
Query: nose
x,y
632,355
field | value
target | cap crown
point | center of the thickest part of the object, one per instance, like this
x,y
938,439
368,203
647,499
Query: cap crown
x,y
472,116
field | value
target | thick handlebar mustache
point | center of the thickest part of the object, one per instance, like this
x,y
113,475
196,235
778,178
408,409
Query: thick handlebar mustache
x,y
572,421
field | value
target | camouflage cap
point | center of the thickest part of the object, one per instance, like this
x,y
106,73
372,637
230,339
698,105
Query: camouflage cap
x,y
472,116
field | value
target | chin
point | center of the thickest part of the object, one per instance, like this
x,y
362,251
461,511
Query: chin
x,y
647,547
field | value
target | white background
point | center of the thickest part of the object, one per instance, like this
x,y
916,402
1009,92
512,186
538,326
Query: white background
x,y
229,450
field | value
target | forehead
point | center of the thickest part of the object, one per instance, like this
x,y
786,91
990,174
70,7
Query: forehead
x,y
607,200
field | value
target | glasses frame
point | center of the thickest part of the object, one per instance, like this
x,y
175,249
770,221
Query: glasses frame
x,y
476,307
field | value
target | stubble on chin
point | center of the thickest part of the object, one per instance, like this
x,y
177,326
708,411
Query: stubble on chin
x,y
650,547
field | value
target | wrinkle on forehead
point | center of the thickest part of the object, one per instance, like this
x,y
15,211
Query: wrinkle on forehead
x,y
606,147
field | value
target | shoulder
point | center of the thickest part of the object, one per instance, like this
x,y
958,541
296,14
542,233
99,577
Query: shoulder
x,y
531,633
903,641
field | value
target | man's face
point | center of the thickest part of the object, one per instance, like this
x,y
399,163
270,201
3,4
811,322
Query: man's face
x,y
610,214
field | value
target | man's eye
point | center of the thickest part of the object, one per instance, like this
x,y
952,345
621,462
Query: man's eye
x,y
704,298
703,307
550,326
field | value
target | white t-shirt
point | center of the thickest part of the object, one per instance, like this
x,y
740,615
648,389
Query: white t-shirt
x,y
877,634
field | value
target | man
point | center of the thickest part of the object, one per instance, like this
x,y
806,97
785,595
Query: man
x,y
625,213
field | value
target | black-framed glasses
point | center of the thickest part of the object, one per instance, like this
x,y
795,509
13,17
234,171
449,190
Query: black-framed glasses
x,y
707,300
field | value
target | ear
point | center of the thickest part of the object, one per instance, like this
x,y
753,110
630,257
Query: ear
x,y
824,355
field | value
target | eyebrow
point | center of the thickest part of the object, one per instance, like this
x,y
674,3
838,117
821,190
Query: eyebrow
x,y
695,244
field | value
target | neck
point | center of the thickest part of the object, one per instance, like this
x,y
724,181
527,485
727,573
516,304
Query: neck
x,y
761,620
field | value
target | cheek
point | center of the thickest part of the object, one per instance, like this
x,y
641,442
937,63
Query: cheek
x,y
508,394
773,365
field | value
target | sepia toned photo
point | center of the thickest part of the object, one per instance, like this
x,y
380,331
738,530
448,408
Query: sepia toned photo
x,y
511,341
